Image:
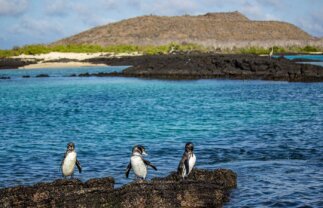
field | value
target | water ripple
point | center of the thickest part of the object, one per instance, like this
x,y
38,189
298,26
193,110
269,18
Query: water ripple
x,y
268,132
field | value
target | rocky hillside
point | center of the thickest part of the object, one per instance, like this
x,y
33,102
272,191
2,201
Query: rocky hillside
x,y
208,29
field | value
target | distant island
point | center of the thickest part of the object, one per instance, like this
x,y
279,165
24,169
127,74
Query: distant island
x,y
217,30
228,32
181,47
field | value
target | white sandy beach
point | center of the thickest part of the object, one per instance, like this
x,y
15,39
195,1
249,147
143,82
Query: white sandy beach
x,y
73,56
59,65
58,55
77,56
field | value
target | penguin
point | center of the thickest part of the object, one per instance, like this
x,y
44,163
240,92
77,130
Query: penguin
x,y
187,162
138,163
69,161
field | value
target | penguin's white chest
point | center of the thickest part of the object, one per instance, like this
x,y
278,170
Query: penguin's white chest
x,y
139,167
191,162
69,164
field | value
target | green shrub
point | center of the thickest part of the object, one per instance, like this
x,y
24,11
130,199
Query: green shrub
x,y
310,49
277,49
149,49
254,50
33,49
121,49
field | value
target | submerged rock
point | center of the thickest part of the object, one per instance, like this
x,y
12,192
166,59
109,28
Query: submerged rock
x,y
202,188
42,75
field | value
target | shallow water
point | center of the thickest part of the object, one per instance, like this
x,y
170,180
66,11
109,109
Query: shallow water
x,y
58,72
317,58
270,133
311,57
313,63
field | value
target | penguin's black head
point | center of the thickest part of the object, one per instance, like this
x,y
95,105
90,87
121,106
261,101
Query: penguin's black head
x,y
70,146
189,147
139,149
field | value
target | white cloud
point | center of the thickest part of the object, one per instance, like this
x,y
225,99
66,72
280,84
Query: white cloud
x,y
110,4
3,37
312,23
262,9
168,7
36,27
13,7
272,3
53,19
88,17
57,7
252,10
137,5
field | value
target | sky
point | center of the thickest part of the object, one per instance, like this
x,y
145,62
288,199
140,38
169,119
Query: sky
x,y
24,22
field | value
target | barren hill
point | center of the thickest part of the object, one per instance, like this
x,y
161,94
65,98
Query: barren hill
x,y
211,29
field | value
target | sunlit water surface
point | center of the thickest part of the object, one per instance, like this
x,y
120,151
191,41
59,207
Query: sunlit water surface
x,y
269,133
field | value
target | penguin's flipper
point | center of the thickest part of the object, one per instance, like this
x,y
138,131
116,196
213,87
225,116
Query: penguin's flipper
x,y
128,169
62,162
78,164
149,164
183,165
187,167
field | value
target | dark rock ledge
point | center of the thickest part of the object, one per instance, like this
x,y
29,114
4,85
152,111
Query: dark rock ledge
x,y
203,188
213,66
14,63
202,66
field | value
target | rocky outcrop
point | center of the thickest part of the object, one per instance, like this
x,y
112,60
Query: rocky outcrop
x,y
42,75
202,188
208,66
10,63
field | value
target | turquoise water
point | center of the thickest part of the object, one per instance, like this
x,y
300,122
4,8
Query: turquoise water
x,y
313,63
270,133
317,58
58,72
311,57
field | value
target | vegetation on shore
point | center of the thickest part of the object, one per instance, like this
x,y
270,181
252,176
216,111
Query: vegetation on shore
x,y
149,50
277,49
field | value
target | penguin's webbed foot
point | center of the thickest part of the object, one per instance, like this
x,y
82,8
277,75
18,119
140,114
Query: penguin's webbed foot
x,y
139,179
183,178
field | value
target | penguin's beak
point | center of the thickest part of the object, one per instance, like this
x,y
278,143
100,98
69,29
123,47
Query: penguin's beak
x,y
144,153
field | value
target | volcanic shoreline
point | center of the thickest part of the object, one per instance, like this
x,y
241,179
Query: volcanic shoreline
x,y
198,66
210,66
203,188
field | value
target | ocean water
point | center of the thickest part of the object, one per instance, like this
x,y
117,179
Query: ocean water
x,y
313,63
311,57
58,72
269,133
317,58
